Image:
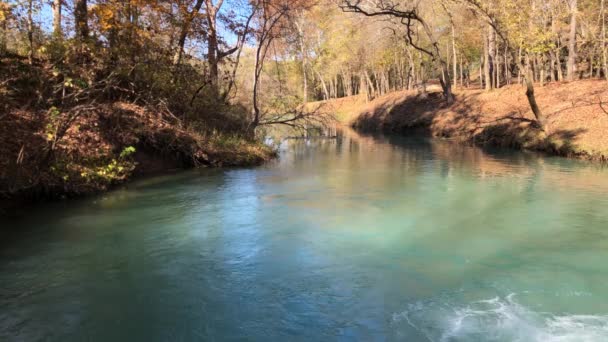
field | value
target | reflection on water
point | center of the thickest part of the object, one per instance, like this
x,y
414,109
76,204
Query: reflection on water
x,y
354,238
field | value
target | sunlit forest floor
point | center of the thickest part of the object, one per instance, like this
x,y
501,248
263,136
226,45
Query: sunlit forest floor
x,y
577,116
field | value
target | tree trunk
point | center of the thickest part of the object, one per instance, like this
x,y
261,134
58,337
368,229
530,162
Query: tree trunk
x,y
603,40
487,69
491,84
30,30
543,77
334,86
461,72
591,60
571,66
455,62
81,22
507,73
181,41
446,83
305,83
57,31
212,48
529,79
411,70
303,52
348,76
481,72
212,43
257,70
519,66
323,85
497,68
3,39
370,86
552,65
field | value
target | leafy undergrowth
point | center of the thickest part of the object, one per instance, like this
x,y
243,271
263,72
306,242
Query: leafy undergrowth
x,y
104,146
577,117
48,152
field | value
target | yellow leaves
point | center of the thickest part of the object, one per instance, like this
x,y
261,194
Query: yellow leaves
x,y
115,170
106,16
5,10
68,83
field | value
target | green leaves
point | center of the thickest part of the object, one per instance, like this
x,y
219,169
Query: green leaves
x,y
126,152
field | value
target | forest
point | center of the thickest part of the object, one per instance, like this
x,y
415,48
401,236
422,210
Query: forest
x,y
92,89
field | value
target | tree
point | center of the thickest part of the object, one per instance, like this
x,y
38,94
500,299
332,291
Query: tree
x,y
409,17
30,30
512,26
81,20
5,14
56,6
214,55
185,29
571,66
273,18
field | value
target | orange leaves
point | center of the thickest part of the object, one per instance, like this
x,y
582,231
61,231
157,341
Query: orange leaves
x,y
5,11
106,15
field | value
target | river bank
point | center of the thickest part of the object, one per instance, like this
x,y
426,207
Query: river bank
x,y
107,145
577,117
53,148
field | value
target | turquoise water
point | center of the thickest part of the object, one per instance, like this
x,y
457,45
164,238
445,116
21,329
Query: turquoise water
x,y
357,238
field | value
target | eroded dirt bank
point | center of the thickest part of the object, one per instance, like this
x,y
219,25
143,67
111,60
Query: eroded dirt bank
x,y
577,116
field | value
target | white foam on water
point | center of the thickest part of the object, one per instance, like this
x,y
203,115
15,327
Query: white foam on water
x,y
500,319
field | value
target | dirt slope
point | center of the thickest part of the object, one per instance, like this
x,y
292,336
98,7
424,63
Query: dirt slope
x,y
577,115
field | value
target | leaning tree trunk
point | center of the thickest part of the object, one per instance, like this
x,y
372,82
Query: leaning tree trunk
x,y
181,41
529,79
323,84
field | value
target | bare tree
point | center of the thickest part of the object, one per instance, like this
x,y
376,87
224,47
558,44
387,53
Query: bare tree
x,y
408,17
269,20
273,18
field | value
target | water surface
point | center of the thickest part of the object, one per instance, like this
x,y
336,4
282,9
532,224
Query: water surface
x,y
357,238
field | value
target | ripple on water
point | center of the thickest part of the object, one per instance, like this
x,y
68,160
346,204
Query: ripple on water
x,y
498,319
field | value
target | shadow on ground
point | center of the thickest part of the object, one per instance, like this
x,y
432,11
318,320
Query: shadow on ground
x,y
467,121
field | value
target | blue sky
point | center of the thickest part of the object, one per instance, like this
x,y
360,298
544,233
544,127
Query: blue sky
x,y
45,17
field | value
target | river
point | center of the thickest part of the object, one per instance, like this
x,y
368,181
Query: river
x,y
355,238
